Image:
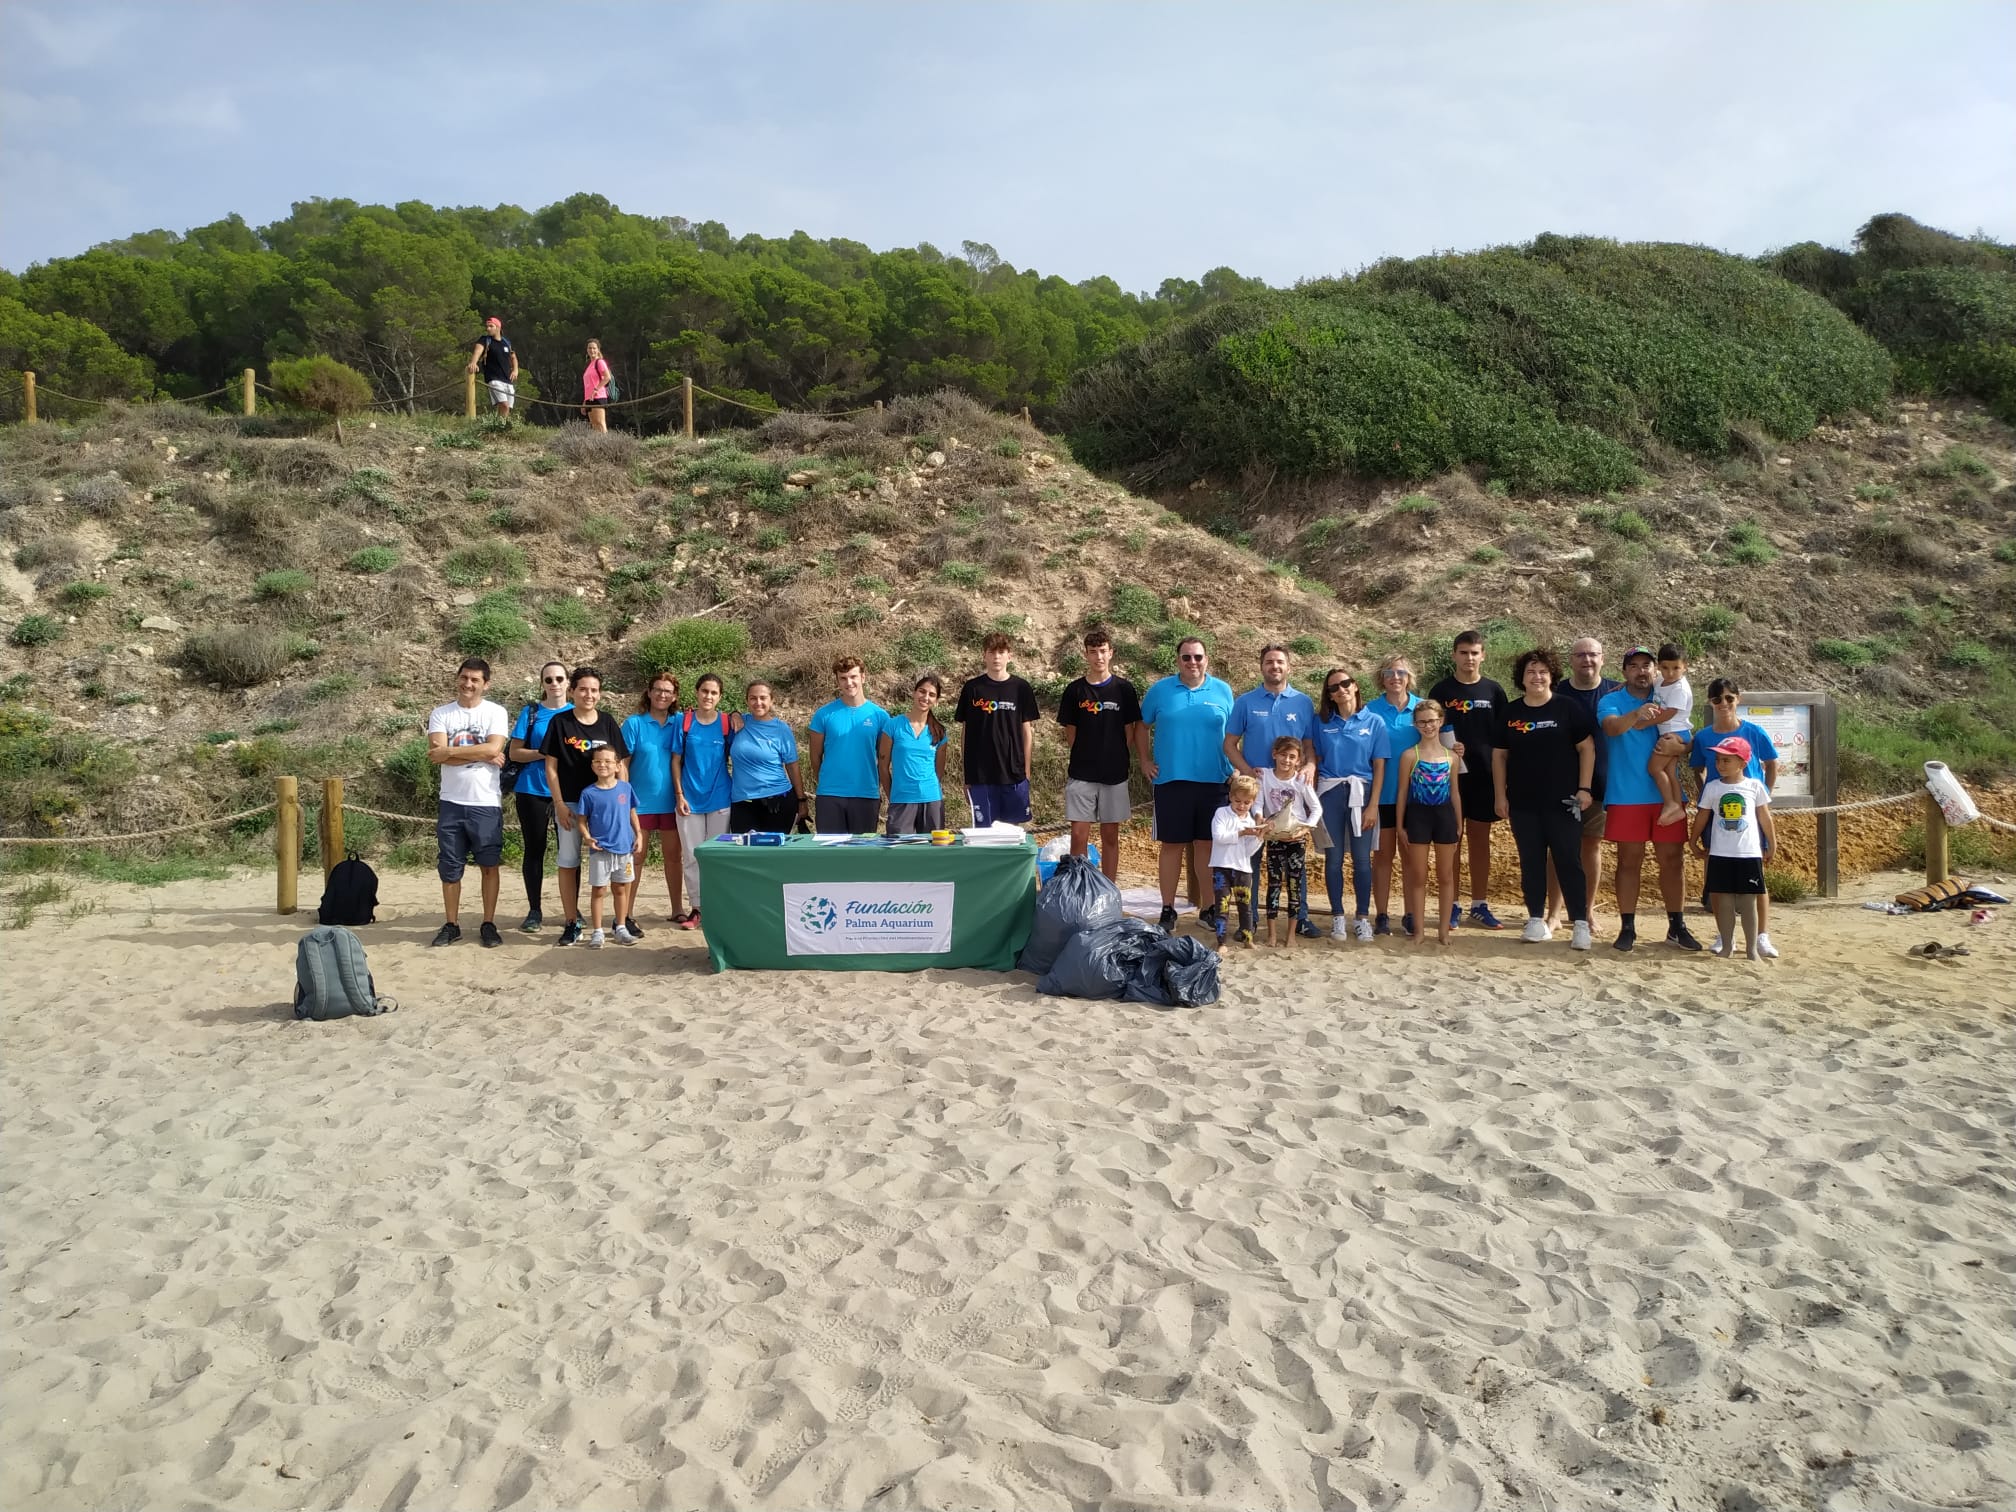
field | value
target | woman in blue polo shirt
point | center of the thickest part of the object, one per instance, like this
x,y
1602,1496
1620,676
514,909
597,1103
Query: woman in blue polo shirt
x,y
1351,747
911,754
700,771
766,793
1394,706
652,734
1183,721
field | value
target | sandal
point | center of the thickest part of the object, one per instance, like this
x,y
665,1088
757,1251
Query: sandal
x,y
1932,950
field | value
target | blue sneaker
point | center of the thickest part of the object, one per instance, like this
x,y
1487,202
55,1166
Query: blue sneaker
x,y
1308,930
1455,916
1481,917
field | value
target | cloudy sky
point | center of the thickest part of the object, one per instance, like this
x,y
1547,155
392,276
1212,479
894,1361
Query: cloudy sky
x,y
1122,137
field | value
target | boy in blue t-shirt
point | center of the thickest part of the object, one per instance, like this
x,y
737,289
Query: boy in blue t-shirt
x,y
614,834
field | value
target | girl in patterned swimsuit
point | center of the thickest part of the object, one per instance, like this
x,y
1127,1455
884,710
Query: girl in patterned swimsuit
x,y
1428,820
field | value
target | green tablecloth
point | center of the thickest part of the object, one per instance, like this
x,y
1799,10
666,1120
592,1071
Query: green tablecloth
x,y
807,906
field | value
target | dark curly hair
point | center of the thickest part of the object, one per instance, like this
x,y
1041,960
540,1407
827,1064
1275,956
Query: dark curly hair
x,y
1541,654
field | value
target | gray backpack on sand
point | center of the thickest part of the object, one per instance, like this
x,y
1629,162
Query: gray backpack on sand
x,y
331,980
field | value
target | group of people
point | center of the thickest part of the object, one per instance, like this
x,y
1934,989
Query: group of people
x,y
1243,785
496,359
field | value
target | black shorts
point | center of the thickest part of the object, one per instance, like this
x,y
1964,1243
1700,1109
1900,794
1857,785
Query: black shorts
x,y
1183,810
1479,794
1432,824
1388,816
1735,874
594,403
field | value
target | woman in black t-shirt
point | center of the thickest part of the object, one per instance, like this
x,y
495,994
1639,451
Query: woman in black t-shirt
x,y
1542,770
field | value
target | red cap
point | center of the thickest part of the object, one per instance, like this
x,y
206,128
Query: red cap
x,y
1734,745
494,320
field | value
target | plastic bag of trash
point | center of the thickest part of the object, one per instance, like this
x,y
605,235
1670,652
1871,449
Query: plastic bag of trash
x,y
1095,962
1177,971
1077,896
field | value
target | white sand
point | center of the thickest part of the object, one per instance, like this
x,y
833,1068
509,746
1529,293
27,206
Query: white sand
x,y
1502,1227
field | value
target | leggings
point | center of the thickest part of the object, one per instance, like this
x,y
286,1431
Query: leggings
x,y
1233,888
535,822
1337,817
1285,863
774,813
1539,833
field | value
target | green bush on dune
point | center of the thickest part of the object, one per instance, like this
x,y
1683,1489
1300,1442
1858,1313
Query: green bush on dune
x,y
1553,365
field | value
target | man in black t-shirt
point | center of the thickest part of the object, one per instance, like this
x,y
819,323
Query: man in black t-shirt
x,y
998,714
1474,709
499,364
1100,714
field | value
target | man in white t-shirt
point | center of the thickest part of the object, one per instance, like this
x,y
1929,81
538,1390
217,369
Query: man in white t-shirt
x,y
466,740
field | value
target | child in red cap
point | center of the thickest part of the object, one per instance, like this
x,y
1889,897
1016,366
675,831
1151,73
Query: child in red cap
x,y
1732,828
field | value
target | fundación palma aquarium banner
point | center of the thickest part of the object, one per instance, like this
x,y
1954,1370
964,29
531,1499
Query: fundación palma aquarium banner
x,y
867,918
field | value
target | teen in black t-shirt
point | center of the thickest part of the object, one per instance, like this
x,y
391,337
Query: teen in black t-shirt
x,y
1473,711
1101,714
993,711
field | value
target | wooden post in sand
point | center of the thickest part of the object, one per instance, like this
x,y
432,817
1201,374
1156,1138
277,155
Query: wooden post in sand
x,y
469,397
686,405
287,843
1938,843
329,825
251,399
1025,414
28,397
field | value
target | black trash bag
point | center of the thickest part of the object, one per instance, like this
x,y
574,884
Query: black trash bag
x,y
1176,972
1076,897
1095,962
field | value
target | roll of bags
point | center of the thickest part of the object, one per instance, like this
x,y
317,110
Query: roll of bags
x,y
1949,795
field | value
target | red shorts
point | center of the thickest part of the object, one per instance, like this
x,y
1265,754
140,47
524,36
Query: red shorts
x,y
658,822
1635,823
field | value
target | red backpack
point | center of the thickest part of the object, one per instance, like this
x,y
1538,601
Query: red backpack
x,y
727,730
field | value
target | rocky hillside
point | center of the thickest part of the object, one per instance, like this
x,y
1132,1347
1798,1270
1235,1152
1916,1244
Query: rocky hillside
x,y
193,603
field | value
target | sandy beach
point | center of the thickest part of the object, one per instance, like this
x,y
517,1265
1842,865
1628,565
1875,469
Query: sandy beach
x,y
1385,1228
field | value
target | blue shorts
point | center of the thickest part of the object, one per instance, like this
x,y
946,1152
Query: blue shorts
x,y
1007,802
465,833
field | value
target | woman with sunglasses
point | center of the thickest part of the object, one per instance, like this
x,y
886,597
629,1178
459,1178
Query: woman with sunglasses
x,y
1351,760
652,734
1395,708
1723,697
530,795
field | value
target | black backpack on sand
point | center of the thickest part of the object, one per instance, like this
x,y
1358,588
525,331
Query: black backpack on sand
x,y
351,896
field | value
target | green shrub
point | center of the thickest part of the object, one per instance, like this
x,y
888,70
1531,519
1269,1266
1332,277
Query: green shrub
x,y
692,645
492,629
321,384
372,485
409,766
1135,541
1547,364
1886,542
494,560
855,616
1748,545
962,574
598,530
1969,656
1484,556
1785,886
282,583
1307,645
1713,624
569,616
334,686
1878,493
239,656
921,648
47,774
1631,525
84,593
771,537
1133,606
1957,461
373,559
35,630
868,582
1418,503
1854,653
2005,552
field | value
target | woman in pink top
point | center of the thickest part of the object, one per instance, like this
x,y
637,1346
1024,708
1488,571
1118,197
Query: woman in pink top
x,y
595,388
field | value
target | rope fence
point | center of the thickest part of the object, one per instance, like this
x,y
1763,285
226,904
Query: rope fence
x,y
153,834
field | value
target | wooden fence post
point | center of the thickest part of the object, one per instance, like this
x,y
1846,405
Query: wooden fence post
x,y
878,406
686,404
28,396
287,843
1938,843
1025,414
329,826
469,397
251,399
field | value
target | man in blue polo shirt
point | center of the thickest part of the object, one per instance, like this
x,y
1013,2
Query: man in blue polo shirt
x,y
1631,719
1262,715
1181,748
842,741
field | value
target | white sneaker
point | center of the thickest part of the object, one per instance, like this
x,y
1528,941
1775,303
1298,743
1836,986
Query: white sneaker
x,y
1536,931
622,935
1715,945
1363,929
1340,928
1581,939
1765,948
594,940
